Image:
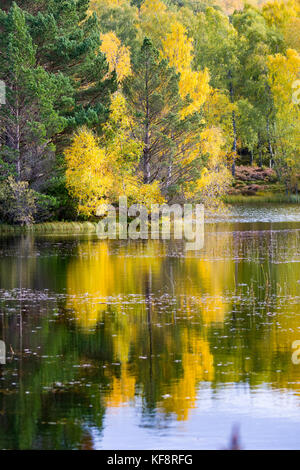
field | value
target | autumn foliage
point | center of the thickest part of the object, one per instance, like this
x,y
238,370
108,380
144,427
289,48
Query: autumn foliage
x,y
156,100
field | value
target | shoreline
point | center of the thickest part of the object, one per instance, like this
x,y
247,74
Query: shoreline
x,y
89,227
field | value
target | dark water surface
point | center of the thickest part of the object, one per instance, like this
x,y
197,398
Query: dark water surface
x,y
144,345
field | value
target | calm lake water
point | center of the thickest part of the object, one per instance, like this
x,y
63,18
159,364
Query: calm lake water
x,y
141,345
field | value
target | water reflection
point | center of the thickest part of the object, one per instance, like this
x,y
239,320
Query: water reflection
x,y
97,330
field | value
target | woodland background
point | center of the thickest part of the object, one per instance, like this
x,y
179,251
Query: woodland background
x,y
156,100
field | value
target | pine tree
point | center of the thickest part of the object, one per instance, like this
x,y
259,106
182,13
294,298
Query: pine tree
x,y
68,42
29,119
56,79
169,141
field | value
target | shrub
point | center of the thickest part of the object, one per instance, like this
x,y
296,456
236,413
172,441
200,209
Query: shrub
x,y
249,173
46,207
18,202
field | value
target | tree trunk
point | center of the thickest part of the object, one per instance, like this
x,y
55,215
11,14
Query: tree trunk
x,y
146,155
260,152
270,145
234,145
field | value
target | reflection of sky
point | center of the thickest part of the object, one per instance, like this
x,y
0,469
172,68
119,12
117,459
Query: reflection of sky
x,y
267,419
256,213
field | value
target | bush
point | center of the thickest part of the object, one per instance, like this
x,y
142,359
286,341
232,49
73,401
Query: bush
x,y
65,207
46,207
249,173
20,205
18,202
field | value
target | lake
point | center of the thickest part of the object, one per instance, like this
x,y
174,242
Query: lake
x,y
143,345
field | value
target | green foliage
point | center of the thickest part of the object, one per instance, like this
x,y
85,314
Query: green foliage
x,y
21,205
64,206
123,20
69,42
155,105
58,80
30,118
46,207
18,202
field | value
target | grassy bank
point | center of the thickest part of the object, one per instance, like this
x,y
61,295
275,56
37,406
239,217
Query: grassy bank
x,y
90,227
262,198
51,227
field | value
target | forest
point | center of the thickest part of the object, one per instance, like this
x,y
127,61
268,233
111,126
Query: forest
x,y
159,101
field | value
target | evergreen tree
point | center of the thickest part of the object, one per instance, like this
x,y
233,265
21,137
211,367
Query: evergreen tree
x,y
56,79
30,118
68,42
152,93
